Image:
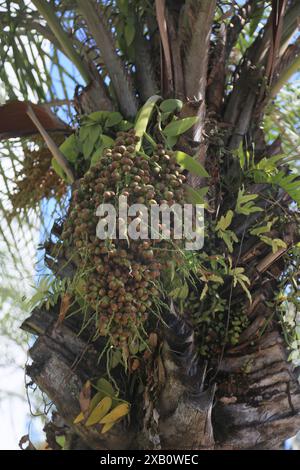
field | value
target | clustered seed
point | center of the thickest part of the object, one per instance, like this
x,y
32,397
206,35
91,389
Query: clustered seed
x,y
36,179
121,277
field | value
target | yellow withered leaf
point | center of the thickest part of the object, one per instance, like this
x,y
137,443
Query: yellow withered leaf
x,y
99,411
117,413
79,418
107,427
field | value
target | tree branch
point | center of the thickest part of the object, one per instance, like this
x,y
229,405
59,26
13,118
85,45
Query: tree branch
x,y
57,154
104,40
288,65
160,6
195,67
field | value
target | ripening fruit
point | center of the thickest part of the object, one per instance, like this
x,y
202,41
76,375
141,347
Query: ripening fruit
x,y
120,278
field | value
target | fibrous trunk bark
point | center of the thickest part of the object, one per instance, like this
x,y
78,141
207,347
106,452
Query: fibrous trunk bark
x,y
253,402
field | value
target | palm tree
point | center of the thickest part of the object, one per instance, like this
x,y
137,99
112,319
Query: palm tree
x,y
203,81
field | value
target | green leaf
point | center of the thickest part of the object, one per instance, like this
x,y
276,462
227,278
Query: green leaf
x,y
91,137
204,292
58,169
225,221
189,163
170,106
179,126
275,243
106,142
70,148
263,229
180,292
99,116
143,118
125,125
116,358
216,278
171,141
61,441
246,290
134,346
196,196
165,116
226,236
113,119
83,133
104,386
244,204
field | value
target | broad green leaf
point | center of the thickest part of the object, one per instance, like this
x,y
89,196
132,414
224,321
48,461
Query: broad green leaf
x,y
99,116
87,148
70,148
170,105
94,132
83,133
171,141
125,125
104,386
106,142
189,163
180,126
143,118
196,196
165,116
113,119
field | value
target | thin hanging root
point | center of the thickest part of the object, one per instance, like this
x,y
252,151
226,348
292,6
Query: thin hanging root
x,y
57,154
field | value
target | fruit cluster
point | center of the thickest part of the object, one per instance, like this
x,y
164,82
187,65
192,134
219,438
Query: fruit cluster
x,y
36,179
120,276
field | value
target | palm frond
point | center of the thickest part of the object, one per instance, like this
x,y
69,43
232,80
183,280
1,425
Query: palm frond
x,y
102,35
